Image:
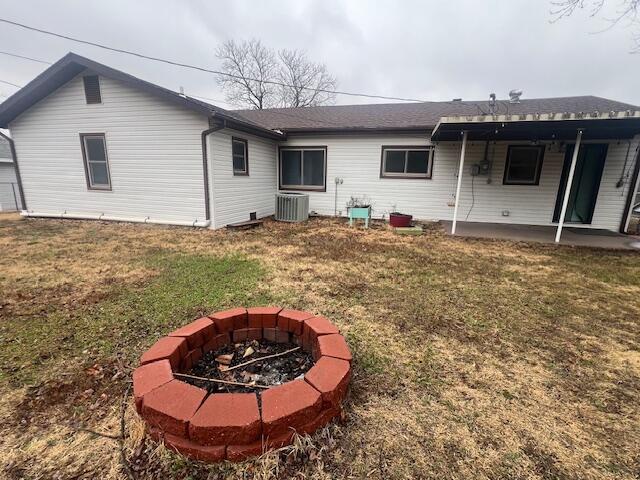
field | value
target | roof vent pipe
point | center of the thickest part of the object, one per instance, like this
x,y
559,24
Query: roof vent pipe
x,y
514,96
492,104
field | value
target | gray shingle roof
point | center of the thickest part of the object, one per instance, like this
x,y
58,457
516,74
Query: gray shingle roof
x,y
414,115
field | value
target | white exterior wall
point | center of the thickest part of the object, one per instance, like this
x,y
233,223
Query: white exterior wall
x,y
153,146
9,192
235,196
356,159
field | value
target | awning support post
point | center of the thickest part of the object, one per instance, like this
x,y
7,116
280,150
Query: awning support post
x,y
567,190
458,187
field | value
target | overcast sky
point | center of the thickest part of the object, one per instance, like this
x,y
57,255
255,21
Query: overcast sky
x,y
430,50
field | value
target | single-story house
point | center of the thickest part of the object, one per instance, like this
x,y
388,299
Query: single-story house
x,y
94,142
10,200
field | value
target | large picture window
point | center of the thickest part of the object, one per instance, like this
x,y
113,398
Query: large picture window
x,y
524,164
303,168
406,162
96,163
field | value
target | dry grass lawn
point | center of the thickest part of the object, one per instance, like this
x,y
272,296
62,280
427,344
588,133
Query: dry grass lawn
x,y
473,358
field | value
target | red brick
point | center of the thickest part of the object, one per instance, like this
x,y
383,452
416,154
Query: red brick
x,y
263,317
191,359
150,376
170,348
236,453
313,328
247,334
171,406
195,451
155,433
283,337
269,334
292,320
216,342
239,335
322,420
197,333
254,333
330,376
228,320
226,418
332,346
290,405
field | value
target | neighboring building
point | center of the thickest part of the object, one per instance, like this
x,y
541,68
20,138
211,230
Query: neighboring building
x,y
94,142
9,191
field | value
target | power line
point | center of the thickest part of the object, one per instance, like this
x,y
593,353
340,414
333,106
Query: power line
x,y
202,69
12,84
25,58
287,114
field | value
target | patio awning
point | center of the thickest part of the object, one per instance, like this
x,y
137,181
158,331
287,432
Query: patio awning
x,y
546,126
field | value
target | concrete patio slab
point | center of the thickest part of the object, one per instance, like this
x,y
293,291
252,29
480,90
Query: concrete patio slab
x,y
575,236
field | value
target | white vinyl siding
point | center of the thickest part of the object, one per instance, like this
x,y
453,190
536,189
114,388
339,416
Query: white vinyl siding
x,y
234,197
154,153
9,192
356,159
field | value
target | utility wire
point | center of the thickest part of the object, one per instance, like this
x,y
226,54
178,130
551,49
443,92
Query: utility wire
x,y
25,58
9,83
202,69
286,114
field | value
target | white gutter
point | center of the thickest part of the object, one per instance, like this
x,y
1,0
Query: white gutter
x,y
195,223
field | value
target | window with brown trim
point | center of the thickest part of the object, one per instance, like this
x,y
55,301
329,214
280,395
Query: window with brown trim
x,y
96,163
303,168
523,165
406,162
240,156
92,89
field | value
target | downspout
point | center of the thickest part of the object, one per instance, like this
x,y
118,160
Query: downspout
x,y
633,189
14,156
205,164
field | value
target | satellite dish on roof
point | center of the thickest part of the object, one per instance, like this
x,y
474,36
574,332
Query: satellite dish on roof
x,y
514,96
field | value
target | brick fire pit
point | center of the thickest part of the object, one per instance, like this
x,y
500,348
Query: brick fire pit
x,y
233,426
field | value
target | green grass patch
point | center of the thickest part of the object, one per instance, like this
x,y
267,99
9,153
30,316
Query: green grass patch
x,y
131,318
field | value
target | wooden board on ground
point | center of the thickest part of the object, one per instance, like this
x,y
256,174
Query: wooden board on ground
x,y
245,225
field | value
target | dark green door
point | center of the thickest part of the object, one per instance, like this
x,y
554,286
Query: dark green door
x,y
586,182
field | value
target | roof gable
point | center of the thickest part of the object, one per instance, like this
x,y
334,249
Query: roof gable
x,y
72,64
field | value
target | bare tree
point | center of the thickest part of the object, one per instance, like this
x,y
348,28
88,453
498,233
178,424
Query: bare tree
x,y
250,68
626,10
255,77
304,83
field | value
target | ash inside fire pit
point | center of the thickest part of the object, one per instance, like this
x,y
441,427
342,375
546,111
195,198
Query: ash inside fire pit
x,y
219,365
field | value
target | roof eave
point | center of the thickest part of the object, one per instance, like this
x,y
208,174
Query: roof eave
x,y
357,130
609,125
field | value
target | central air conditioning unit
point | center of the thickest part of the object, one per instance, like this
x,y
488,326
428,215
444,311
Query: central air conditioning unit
x,y
292,207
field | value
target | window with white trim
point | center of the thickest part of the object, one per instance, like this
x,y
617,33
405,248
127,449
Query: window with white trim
x,y
406,162
240,154
303,168
96,163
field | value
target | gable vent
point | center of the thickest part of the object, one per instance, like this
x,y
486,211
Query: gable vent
x,y
92,89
